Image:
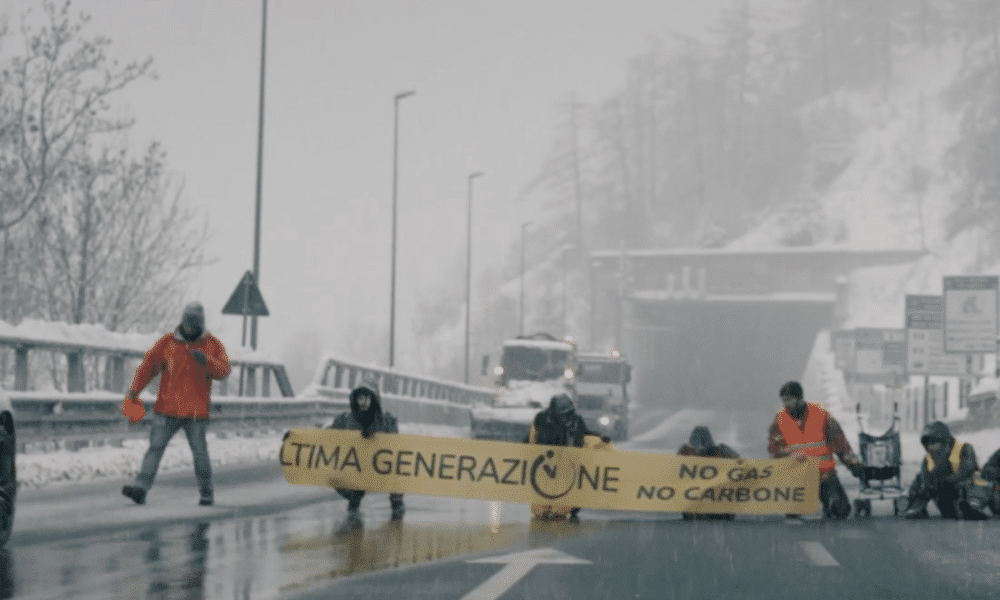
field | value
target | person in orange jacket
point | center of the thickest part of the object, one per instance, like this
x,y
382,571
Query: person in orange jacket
x,y
187,360
802,429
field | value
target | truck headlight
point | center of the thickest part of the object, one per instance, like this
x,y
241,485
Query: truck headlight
x,y
604,420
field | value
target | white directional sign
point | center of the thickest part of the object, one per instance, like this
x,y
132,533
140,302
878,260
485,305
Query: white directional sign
x,y
518,565
880,355
843,349
970,313
925,353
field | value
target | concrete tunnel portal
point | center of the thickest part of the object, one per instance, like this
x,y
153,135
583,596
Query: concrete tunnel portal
x,y
720,328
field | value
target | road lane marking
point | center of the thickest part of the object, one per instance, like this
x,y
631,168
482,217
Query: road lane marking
x,y
818,554
517,566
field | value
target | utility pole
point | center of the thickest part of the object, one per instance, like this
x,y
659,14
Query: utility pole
x,y
392,284
520,329
260,168
468,275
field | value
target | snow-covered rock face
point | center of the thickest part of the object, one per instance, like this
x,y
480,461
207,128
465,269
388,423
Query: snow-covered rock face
x,y
892,188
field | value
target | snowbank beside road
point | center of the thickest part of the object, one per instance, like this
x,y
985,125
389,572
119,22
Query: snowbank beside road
x,y
105,463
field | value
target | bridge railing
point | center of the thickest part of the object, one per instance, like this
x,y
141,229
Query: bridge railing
x,y
69,382
411,398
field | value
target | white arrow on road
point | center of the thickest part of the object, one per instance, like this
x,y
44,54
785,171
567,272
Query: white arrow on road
x,y
518,565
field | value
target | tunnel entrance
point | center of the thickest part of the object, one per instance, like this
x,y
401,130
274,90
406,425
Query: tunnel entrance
x,y
721,328
722,353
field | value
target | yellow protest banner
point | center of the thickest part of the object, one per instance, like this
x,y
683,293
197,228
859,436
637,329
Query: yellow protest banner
x,y
531,473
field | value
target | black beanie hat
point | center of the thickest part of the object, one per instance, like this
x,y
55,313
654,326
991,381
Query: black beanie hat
x,y
791,388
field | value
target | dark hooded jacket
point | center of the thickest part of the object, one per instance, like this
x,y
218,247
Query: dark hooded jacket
x,y
942,473
991,470
369,421
702,444
548,428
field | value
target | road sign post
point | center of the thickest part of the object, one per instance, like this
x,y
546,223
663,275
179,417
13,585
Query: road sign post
x,y
925,353
970,313
246,300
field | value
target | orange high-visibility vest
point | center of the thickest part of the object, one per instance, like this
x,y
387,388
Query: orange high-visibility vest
x,y
810,440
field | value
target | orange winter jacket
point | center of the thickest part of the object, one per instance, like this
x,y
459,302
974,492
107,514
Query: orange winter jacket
x,y
185,386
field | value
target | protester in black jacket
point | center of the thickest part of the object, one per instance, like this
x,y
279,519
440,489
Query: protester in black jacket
x,y
560,425
366,415
701,444
991,474
946,475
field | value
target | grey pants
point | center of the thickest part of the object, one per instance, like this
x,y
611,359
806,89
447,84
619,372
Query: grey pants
x,y
162,430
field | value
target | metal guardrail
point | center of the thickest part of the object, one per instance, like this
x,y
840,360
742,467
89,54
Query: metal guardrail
x,y
411,398
84,357
52,420
72,420
92,365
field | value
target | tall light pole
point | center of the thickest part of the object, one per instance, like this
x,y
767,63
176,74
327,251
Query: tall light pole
x,y
566,250
468,275
260,168
392,285
520,329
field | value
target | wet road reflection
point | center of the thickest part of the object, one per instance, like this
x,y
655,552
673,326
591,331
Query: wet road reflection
x,y
268,556
264,557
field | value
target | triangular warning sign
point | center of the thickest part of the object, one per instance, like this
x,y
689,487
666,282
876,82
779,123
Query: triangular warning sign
x,y
246,299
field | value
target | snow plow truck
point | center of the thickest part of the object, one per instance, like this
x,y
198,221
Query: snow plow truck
x,y
533,369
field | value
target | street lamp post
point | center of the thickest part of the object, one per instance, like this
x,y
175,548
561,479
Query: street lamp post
x,y
468,274
521,326
566,250
392,285
260,170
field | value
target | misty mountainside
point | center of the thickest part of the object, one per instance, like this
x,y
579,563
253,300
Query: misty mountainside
x,y
839,123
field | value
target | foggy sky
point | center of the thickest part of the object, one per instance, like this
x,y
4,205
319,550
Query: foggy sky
x,y
487,75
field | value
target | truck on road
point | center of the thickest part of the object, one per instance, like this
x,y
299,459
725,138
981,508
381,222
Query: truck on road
x,y
533,369
602,393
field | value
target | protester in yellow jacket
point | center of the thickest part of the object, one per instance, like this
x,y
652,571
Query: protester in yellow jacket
x,y
948,473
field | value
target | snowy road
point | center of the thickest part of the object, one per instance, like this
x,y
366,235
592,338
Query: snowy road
x,y
266,539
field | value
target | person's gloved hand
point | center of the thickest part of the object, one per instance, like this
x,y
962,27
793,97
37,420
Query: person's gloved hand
x,y
605,439
132,408
199,357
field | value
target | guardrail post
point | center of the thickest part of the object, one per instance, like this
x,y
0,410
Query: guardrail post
x,y
114,373
265,382
21,368
75,377
338,376
251,387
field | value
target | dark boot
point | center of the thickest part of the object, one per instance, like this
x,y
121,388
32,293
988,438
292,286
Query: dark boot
x,y
136,493
917,509
396,500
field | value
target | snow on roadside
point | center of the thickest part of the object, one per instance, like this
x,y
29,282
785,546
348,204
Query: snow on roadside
x,y
103,463
832,396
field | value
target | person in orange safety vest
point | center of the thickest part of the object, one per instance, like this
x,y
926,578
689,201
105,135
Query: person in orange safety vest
x,y
803,429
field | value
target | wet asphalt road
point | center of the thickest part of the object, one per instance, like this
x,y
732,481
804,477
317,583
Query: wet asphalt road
x,y
265,539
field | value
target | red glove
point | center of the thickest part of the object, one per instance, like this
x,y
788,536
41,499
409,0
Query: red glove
x,y
133,409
